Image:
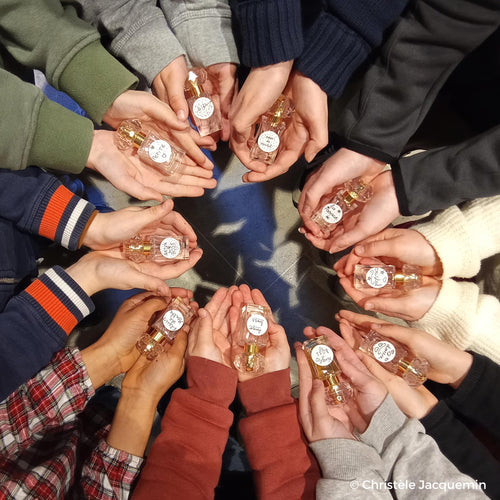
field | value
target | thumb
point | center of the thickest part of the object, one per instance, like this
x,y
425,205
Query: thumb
x,y
319,408
156,213
177,100
136,279
205,332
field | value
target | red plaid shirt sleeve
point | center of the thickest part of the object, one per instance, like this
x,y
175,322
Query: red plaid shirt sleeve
x,y
110,473
51,399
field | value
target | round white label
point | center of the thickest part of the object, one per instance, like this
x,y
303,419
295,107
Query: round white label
x,y
170,248
203,108
173,320
257,324
331,213
268,141
384,351
377,277
322,355
160,151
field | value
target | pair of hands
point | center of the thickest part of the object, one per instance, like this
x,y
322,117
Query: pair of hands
x,y
396,247
127,173
447,364
321,421
107,268
370,218
115,351
168,85
307,132
214,333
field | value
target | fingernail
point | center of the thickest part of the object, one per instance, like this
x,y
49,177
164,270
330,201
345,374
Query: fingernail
x,y
368,306
181,114
202,313
360,250
297,345
302,230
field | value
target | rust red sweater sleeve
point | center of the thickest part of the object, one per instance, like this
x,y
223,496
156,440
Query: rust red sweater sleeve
x,y
278,452
185,460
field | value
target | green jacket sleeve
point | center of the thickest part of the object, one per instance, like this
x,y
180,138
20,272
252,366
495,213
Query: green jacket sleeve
x,y
51,38
37,131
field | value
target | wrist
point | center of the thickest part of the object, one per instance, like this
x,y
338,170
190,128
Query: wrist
x,y
95,150
84,273
461,368
139,400
101,363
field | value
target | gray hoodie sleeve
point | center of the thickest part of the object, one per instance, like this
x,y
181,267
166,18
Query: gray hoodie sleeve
x,y
394,453
203,28
135,31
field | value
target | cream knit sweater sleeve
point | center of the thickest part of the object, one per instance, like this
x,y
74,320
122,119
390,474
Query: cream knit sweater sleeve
x,y
461,315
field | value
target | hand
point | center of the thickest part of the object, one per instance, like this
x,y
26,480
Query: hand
x,y
410,306
447,364
115,351
98,271
209,335
108,230
277,351
375,215
149,380
369,392
130,175
415,402
318,420
150,110
259,92
223,77
168,86
394,246
339,168
308,129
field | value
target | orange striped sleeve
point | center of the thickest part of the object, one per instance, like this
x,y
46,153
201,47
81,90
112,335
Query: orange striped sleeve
x,y
52,305
54,212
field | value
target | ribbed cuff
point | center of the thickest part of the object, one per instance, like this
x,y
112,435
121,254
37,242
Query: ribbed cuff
x,y
266,391
271,32
94,79
62,139
435,416
364,149
332,52
470,383
211,381
62,216
58,299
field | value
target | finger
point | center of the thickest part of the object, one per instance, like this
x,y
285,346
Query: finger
x,y
191,180
234,319
246,294
177,100
258,298
319,408
387,248
305,386
276,169
196,171
176,269
137,300
310,332
318,133
358,296
183,226
400,333
143,218
179,346
348,333
216,306
137,279
391,306
162,113
362,320
339,266
205,329
129,185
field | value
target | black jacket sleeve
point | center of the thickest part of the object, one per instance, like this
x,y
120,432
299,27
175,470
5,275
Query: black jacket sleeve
x,y
400,87
460,446
443,177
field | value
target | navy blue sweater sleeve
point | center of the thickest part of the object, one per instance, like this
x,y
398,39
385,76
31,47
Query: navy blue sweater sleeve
x,y
34,325
460,446
270,31
342,38
37,203
477,397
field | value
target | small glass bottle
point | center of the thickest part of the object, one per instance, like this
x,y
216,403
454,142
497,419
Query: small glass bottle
x,y
395,358
175,316
270,129
203,111
332,209
157,248
324,367
151,148
253,336
382,276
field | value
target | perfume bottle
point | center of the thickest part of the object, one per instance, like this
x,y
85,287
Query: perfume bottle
x,y
385,277
270,129
253,336
164,330
157,248
395,358
325,368
333,208
204,113
151,148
